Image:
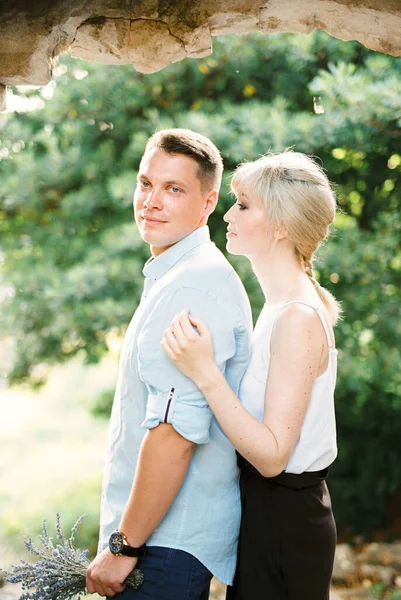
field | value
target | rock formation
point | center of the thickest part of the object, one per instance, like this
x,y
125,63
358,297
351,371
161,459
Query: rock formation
x,y
151,34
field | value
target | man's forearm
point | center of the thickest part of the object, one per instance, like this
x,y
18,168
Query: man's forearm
x,y
162,467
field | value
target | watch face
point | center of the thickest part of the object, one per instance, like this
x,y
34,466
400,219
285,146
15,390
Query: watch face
x,y
116,542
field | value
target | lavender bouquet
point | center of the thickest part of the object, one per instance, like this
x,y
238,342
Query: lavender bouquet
x,y
60,572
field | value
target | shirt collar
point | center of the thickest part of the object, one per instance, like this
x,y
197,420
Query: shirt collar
x,y
157,266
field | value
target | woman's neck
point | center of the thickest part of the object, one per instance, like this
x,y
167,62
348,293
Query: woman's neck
x,y
280,277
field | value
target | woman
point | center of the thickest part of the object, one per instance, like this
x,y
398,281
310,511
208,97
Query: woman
x,y
284,426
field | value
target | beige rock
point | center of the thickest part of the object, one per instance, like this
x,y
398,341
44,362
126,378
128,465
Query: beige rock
x,y
197,42
152,34
345,566
103,40
365,22
3,92
379,573
148,45
335,595
152,46
344,594
382,554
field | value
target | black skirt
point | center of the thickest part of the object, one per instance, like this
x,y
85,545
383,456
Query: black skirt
x,y
287,538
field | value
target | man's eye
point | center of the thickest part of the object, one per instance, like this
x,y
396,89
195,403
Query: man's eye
x,y
175,189
145,184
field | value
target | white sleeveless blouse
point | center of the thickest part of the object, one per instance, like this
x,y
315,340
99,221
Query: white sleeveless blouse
x,y
316,447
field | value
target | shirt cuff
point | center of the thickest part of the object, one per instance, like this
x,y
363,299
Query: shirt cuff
x,y
191,418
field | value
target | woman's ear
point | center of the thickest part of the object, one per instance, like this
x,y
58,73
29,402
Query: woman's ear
x,y
280,233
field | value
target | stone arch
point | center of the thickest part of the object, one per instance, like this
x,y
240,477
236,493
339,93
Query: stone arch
x,y
150,34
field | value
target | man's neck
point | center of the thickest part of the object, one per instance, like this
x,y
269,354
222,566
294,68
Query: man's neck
x,y
158,250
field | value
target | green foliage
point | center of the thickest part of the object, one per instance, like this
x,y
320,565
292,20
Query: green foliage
x,y
367,272
73,257
101,406
380,592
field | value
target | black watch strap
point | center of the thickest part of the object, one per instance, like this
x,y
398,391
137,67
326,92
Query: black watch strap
x,y
119,546
131,551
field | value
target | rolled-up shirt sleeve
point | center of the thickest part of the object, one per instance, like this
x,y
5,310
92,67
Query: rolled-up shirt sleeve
x,y
172,397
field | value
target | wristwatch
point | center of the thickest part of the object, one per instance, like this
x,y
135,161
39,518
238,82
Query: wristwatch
x,y
118,546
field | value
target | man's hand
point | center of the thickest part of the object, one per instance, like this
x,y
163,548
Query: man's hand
x,y
107,573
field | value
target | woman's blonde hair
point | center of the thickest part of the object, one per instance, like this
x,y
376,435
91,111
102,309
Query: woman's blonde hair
x,y
297,196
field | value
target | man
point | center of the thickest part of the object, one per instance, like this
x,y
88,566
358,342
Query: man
x,y
171,477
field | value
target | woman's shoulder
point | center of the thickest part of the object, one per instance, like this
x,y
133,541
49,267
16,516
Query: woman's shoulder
x,y
297,313
301,321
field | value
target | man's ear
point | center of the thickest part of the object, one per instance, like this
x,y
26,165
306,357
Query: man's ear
x,y
210,202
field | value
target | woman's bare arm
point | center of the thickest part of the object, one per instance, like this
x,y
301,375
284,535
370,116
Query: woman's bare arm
x,y
297,347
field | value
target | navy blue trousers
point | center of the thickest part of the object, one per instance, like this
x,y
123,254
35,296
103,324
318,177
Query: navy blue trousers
x,y
170,575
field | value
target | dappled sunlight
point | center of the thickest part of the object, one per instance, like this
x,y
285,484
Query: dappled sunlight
x,y
16,411
52,440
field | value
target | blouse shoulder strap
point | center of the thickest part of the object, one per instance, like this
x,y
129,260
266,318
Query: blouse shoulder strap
x,y
319,313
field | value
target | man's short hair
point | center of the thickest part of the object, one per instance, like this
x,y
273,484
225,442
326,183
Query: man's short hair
x,y
196,146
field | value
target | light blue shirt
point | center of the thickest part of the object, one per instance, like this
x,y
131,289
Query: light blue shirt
x,y
205,515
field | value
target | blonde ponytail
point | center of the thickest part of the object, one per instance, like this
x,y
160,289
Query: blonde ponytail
x,y
332,305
